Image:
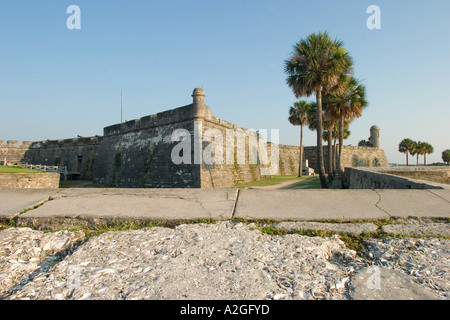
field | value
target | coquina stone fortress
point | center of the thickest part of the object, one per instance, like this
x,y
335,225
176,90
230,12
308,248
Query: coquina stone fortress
x,y
153,152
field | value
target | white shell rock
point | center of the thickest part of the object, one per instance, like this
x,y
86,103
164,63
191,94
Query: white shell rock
x,y
223,261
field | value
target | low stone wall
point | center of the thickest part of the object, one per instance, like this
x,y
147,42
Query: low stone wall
x,y
439,174
45,180
381,178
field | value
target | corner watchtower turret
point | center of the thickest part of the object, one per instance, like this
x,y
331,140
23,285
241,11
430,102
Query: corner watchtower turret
x,y
374,138
198,96
199,109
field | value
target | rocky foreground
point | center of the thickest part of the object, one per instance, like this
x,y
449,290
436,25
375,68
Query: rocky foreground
x,y
226,260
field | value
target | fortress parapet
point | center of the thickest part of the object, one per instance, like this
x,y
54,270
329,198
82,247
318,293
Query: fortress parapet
x,y
15,144
12,151
195,111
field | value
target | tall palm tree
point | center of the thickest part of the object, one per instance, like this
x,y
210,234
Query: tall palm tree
x,y
425,149
405,146
328,126
315,66
298,116
346,102
415,150
335,135
345,136
420,149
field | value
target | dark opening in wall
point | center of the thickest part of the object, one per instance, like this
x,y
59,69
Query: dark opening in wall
x,y
80,162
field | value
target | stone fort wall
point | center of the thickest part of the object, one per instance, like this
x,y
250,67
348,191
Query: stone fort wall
x,y
242,164
13,151
352,157
138,153
78,154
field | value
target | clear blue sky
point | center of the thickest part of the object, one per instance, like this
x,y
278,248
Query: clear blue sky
x,y
59,83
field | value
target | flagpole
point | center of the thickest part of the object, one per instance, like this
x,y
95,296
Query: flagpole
x,y
121,106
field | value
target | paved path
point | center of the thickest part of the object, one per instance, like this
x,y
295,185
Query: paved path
x,y
69,207
14,201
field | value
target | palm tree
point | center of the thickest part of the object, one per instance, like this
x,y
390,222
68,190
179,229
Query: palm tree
x,y
346,102
423,148
328,125
315,66
345,136
298,116
420,149
405,146
415,150
426,148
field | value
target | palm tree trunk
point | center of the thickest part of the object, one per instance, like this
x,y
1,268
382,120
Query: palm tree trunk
x,y
406,158
341,142
330,156
323,180
300,157
424,159
334,156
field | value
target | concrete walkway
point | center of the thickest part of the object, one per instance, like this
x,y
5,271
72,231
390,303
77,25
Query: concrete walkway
x,y
63,208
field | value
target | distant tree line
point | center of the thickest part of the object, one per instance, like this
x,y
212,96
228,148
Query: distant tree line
x,y
364,143
415,148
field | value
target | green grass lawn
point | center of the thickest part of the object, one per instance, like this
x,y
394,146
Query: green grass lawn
x,y
313,183
15,169
270,181
305,182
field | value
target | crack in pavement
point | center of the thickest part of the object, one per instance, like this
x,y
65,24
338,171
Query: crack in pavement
x,y
438,195
233,210
379,200
33,207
